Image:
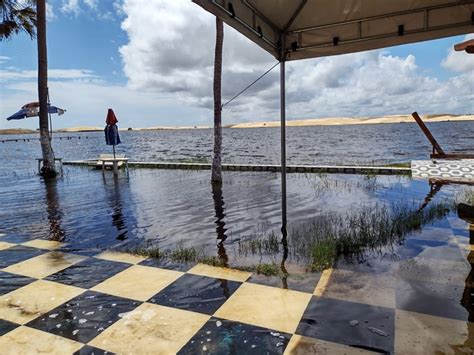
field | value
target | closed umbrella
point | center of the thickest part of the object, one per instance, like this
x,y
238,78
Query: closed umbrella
x,y
111,130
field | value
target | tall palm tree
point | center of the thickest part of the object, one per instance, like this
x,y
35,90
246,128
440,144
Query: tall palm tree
x,y
48,170
216,177
16,17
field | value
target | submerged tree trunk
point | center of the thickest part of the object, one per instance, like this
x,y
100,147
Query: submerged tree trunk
x,y
217,158
48,169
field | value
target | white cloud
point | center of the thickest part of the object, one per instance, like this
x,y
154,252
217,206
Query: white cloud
x,y
14,74
91,3
459,61
86,98
171,50
70,7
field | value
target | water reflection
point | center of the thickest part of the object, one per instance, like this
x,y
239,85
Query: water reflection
x,y
112,184
56,233
466,212
219,209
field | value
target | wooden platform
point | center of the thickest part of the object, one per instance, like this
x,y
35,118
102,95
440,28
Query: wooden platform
x,y
375,170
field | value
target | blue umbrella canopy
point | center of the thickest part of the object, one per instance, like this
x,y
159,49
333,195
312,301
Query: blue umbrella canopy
x,y
32,110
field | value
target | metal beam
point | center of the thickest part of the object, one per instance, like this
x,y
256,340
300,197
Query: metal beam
x,y
283,146
394,14
295,14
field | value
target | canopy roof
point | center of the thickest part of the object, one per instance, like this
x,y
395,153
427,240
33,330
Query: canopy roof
x,y
316,28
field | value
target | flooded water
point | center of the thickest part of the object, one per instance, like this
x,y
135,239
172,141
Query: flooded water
x,y
393,253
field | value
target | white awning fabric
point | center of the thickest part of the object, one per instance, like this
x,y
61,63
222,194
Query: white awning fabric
x,y
316,28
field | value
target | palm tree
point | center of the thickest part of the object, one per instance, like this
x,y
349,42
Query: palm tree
x,y
216,177
16,17
48,169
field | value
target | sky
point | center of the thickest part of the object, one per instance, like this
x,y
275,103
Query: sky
x,y
152,62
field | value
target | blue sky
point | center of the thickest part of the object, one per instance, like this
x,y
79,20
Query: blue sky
x,y
123,54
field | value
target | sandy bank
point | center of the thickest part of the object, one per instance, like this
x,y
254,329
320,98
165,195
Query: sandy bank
x,y
354,121
17,131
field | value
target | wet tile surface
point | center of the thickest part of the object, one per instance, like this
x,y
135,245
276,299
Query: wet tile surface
x,y
84,317
416,299
196,293
24,340
167,264
18,253
45,264
138,282
220,336
151,329
33,300
303,283
432,298
267,307
220,272
88,273
6,326
10,282
90,350
349,323
16,238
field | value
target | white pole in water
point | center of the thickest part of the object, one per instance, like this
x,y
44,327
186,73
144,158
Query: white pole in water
x,y
283,144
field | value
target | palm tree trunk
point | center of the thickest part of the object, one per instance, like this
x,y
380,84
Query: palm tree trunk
x,y
217,158
48,169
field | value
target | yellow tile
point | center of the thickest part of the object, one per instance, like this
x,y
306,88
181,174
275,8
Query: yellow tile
x,y
300,345
220,272
323,282
417,333
43,244
432,270
151,329
23,340
376,290
28,302
122,257
138,282
265,306
44,265
5,245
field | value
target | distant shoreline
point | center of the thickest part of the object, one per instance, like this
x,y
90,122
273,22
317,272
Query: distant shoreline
x,y
337,121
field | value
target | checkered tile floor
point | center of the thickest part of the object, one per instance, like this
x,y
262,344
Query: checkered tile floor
x,y
52,301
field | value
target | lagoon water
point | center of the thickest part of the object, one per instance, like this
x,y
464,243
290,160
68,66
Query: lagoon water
x,y
169,208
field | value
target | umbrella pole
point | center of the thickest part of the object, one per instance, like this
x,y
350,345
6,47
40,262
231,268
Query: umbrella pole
x,y
50,120
114,150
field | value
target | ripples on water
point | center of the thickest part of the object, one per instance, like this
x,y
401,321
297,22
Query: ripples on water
x,y
91,211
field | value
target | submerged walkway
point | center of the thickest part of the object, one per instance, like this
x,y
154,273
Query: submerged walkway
x,y
61,301
346,169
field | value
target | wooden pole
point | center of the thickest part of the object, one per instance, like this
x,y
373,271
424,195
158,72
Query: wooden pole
x,y
428,135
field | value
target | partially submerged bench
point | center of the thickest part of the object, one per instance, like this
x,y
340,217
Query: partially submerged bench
x,y
108,161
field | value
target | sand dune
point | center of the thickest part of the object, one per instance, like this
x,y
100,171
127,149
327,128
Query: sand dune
x,y
355,121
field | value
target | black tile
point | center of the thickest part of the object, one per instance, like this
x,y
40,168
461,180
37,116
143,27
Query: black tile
x,y
90,350
461,232
18,254
11,282
436,299
349,323
220,336
167,264
196,293
6,326
88,273
303,283
17,238
85,316
431,249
